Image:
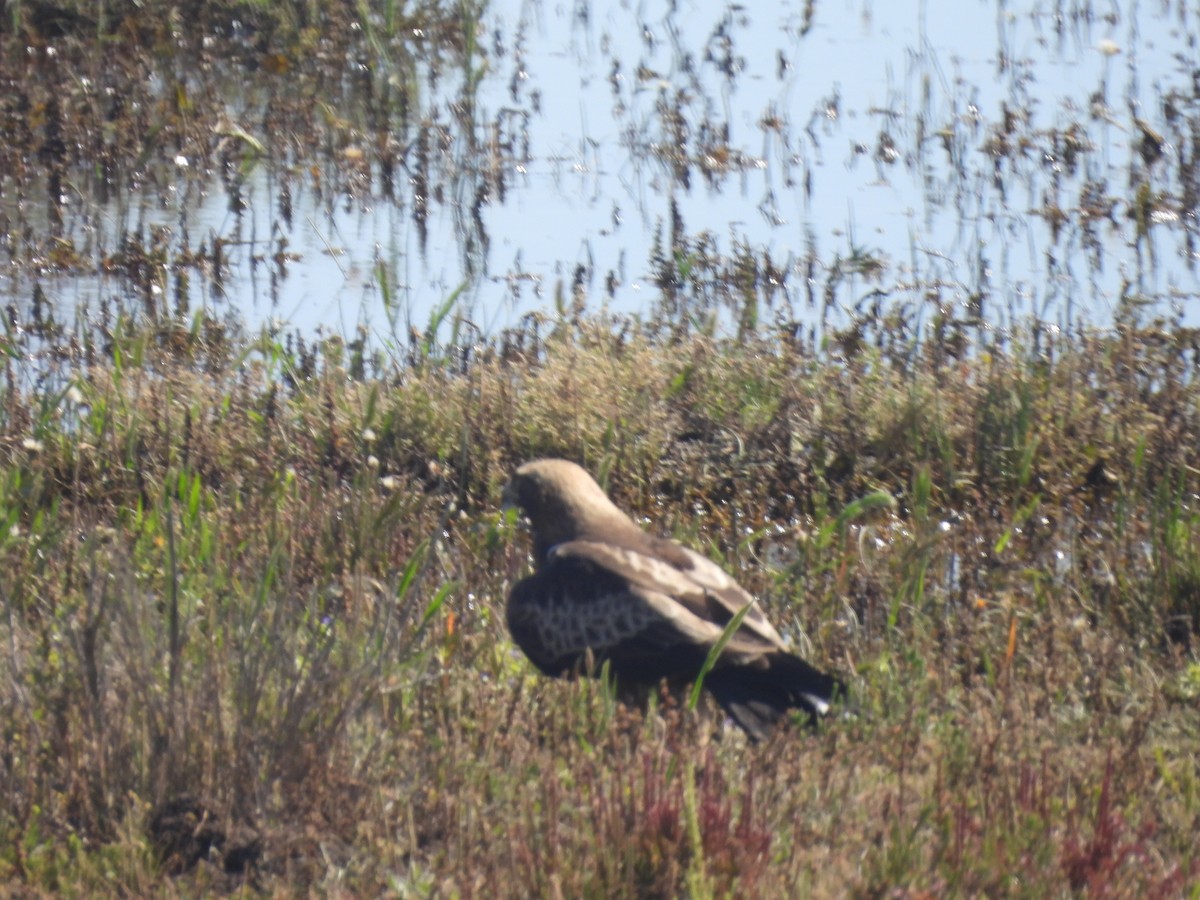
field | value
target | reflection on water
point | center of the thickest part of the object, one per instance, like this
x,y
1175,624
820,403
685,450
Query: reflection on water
x,y
927,160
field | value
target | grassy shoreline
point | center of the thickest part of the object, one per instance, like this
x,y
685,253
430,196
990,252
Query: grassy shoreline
x,y
266,587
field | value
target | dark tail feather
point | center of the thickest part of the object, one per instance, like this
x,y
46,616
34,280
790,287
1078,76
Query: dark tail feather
x,y
757,698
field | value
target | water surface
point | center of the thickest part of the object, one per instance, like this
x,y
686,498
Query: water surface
x,y
969,160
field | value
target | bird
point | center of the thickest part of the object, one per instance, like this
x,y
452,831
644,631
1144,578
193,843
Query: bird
x,y
603,590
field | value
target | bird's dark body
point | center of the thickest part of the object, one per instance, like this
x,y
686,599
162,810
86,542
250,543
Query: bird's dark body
x,y
573,614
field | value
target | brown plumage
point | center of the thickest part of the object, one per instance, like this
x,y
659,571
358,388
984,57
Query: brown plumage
x,y
604,590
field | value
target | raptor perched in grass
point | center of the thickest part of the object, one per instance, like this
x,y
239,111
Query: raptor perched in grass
x,y
605,590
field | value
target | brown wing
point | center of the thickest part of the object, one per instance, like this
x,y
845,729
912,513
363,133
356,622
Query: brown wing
x,y
609,604
706,589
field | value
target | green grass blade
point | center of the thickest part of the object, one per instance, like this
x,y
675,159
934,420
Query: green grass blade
x,y
715,652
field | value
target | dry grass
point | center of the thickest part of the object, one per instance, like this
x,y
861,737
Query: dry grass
x,y
254,636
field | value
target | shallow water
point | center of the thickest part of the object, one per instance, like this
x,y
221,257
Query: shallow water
x,y
963,159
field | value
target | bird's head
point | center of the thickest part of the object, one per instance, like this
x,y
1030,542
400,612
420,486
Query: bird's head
x,y
562,502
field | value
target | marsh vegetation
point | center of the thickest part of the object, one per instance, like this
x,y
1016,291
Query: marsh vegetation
x,y
252,580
